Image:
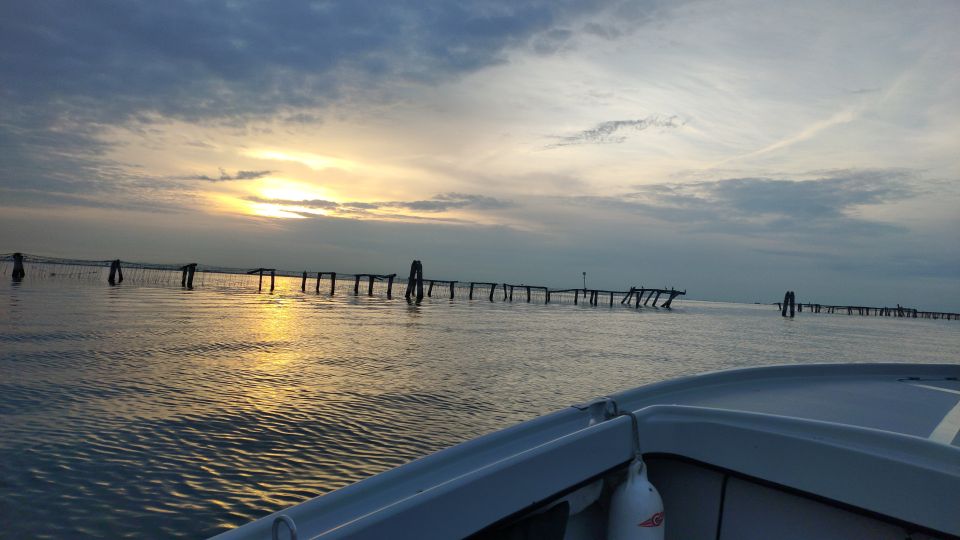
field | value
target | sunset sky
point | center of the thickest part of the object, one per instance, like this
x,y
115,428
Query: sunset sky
x,y
733,149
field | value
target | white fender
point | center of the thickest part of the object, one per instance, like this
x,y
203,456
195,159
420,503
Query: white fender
x,y
636,509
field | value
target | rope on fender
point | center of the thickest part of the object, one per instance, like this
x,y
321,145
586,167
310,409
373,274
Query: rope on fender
x,y
634,423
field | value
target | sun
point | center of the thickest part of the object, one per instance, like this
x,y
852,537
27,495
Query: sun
x,y
316,162
278,198
290,190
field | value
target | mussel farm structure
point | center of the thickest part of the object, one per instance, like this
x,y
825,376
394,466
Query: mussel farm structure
x,y
20,266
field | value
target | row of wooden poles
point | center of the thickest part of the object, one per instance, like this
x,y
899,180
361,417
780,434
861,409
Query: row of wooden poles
x,y
789,305
371,278
415,285
188,270
116,271
416,291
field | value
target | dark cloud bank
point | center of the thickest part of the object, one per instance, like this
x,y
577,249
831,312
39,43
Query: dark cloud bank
x,y
218,58
69,68
770,205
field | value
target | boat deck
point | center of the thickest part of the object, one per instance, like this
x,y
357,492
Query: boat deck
x,y
877,438
921,401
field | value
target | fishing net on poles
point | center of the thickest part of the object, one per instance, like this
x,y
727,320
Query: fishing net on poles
x,y
38,268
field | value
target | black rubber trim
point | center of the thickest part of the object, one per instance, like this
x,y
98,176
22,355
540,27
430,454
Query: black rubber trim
x,y
907,526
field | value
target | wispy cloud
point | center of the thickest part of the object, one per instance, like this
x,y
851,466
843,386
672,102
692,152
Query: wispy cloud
x,y
450,201
844,116
227,177
442,202
615,131
319,204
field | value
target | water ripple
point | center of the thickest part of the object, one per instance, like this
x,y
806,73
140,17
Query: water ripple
x,y
184,413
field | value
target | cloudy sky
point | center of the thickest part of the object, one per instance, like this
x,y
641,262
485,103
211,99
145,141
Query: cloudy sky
x,y
735,149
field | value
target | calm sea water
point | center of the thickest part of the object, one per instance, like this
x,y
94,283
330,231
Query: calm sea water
x,y
136,411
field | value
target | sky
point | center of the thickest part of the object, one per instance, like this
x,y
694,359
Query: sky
x,y
733,149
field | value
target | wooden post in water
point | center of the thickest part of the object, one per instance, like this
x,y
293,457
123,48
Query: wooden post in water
x,y
528,294
116,273
390,285
786,303
303,282
191,270
356,285
333,282
576,296
471,290
260,283
511,293
657,299
611,298
628,297
493,287
546,293
183,277
673,294
638,297
452,283
411,280
430,289
273,277
319,275
793,303
504,292
18,272
370,285
419,281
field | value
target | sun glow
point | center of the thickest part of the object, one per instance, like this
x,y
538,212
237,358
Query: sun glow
x,y
278,198
275,211
316,162
288,190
